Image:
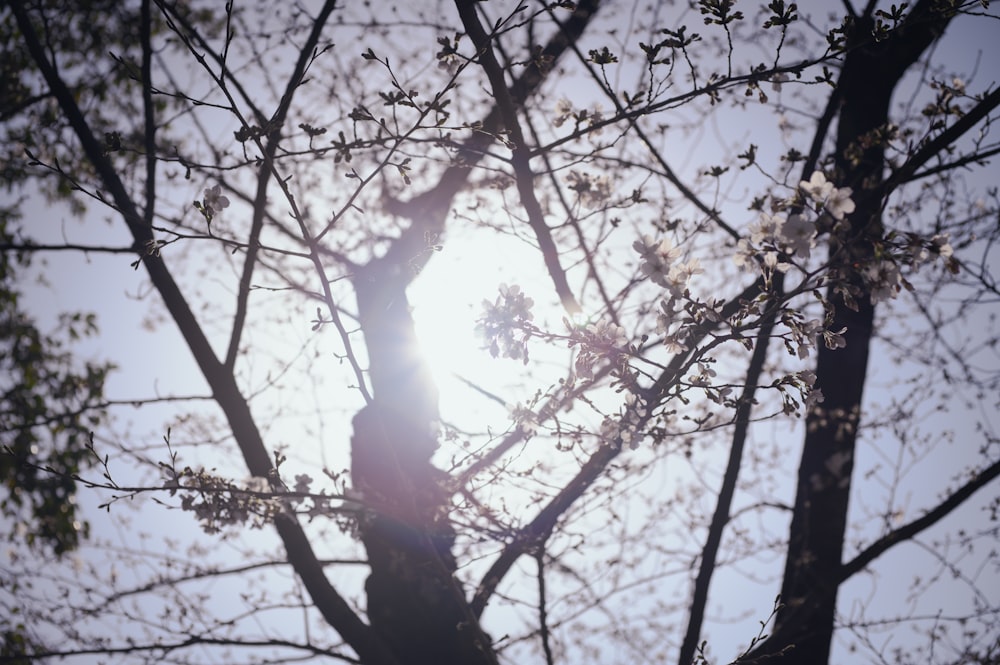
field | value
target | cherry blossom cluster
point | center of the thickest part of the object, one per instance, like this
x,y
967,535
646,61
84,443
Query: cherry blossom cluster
x,y
884,276
506,323
593,191
214,202
627,424
776,240
596,341
805,335
802,382
590,117
524,419
828,198
659,263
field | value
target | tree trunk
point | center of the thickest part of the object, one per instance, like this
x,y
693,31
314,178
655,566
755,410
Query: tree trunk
x,y
414,601
804,628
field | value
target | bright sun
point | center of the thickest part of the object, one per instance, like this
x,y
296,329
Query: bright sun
x,y
447,299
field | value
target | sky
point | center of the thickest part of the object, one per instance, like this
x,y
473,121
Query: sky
x,y
447,299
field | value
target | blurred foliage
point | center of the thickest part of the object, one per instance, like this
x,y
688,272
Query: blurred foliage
x,y
48,407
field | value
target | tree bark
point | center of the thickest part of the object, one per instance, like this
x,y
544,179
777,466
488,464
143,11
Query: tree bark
x,y
415,603
805,624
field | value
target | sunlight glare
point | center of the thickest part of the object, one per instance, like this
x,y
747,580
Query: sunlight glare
x,y
447,299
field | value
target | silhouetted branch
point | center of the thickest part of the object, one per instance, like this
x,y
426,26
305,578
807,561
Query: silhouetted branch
x,y
330,604
521,158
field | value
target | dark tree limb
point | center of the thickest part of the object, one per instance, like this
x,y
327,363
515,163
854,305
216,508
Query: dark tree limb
x,y
938,144
727,491
415,603
521,158
870,73
227,394
912,529
536,532
306,54
721,517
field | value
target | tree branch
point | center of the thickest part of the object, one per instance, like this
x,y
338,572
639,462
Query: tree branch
x,y
940,142
537,531
521,158
908,531
32,247
720,518
306,53
330,604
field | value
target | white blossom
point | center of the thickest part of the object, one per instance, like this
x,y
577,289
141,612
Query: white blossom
x,y
813,397
766,229
817,187
607,333
215,201
806,336
681,273
798,236
745,256
608,430
601,340
944,248
563,111
834,340
593,191
883,278
524,418
657,263
704,376
501,319
839,203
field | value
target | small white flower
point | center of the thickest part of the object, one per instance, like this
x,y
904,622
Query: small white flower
x,y
797,236
834,340
807,377
773,262
524,418
593,191
657,257
745,256
215,201
681,273
817,187
944,248
704,376
766,229
604,332
516,304
503,319
813,397
564,111
609,429
594,117
883,279
839,203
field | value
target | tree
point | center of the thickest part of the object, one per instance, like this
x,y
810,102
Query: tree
x,y
813,293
